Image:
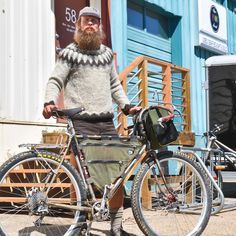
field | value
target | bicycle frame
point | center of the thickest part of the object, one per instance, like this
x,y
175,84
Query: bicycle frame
x,y
109,190
165,182
220,145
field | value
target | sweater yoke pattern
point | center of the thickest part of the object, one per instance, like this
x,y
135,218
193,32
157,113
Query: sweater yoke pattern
x,y
74,56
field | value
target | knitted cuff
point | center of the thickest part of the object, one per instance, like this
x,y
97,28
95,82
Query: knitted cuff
x,y
126,109
49,103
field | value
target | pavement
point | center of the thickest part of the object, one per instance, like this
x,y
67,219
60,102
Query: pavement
x,y
222,224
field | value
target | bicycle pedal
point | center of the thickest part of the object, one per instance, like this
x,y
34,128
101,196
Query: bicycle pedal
x,y
83,231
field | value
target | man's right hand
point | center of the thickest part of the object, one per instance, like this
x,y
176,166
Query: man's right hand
x,y
47,111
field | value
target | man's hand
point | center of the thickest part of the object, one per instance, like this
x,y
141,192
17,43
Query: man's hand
x,y
47,111
134,110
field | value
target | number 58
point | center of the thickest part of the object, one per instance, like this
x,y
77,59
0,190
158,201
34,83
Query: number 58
x,y
70,15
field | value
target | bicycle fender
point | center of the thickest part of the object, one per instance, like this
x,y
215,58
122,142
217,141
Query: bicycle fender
x,y
163,153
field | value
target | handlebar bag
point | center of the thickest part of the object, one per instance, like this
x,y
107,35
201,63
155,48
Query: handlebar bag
x,y
107,159
159,134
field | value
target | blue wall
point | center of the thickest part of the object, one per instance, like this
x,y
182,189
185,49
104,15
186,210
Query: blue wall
x,y
184,51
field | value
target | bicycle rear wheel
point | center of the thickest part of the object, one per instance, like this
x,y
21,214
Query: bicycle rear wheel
x,y
181,206
24,199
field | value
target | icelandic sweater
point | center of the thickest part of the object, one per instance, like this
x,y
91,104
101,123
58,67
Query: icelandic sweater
x,y
89,80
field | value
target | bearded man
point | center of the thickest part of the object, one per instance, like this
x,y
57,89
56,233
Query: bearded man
x,y
85,70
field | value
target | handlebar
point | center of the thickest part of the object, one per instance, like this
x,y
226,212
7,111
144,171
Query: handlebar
x,y
66,113
161,119
214,131
138,119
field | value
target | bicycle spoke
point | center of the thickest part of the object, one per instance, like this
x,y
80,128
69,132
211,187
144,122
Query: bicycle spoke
x,y
22,190
173,201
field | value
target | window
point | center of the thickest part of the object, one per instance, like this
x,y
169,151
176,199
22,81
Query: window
x,y
156,24
141,17
135,16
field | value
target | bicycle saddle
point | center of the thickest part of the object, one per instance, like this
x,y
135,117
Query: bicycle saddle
x,y
70,113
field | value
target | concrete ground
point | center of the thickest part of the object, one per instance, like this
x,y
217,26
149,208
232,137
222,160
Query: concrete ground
x,y
222,224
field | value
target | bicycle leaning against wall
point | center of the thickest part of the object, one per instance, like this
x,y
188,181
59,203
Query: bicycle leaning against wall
x,y
44,193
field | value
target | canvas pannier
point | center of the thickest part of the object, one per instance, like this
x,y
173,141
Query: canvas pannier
x,y
107,159
159,134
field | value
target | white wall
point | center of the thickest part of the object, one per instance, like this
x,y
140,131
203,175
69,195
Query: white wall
x,y
12,134
27,46
96,4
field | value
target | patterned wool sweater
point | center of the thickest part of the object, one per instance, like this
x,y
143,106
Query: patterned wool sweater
x,y
89,80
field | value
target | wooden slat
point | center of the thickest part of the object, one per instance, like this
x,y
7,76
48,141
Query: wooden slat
x,y
143,86
168,179
32,171
24,199
168,70
55,185
186,100
167,98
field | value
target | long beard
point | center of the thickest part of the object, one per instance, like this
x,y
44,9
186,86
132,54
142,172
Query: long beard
x,y
88,40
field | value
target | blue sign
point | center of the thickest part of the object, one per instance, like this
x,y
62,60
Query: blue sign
x,y
215,20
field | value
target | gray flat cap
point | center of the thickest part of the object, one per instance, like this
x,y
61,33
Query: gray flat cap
x,y
89,11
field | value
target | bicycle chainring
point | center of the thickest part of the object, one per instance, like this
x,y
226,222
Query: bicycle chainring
x,y
99,214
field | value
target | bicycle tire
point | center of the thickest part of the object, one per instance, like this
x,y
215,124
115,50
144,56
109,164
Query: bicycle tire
x,y
22,180
177,208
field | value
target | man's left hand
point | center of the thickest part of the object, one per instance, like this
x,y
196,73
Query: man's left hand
x,y
134,110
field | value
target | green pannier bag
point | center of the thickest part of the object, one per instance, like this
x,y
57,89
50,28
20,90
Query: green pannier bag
x,y
158,134
107,159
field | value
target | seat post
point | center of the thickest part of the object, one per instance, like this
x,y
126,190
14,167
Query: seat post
x,y
70,128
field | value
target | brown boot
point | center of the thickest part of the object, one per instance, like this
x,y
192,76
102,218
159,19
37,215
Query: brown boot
x,y
119,232
116,222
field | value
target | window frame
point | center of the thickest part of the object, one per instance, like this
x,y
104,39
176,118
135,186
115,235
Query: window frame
x,y
146,8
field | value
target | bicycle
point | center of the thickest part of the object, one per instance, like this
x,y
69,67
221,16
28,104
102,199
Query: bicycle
x,y
170,193
216,157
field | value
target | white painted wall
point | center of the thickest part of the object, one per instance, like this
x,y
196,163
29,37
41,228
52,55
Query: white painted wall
x,y
96,4
14,133
27,46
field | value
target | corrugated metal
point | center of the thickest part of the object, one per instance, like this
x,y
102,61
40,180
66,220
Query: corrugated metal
x,y
231,26
119,31
195,62
142,43
27,57
173,6
193,57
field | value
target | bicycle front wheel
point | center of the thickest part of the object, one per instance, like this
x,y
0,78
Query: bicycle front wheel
x,y
178,203
27,200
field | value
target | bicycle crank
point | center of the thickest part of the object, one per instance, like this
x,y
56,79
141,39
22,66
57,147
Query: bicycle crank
x,y
100,213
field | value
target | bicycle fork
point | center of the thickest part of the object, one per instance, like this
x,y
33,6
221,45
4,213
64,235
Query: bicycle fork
x,y
170,197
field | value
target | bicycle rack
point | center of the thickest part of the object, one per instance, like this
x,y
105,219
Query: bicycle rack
x,y
217,206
